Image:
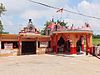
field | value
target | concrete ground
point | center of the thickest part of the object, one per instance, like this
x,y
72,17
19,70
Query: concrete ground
x,y
49,65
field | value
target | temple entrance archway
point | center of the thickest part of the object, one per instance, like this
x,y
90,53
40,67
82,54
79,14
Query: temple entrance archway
x,y
67,47
28,47
61,43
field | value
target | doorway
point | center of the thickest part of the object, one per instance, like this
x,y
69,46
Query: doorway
x,y
28,47
61,43
80,45
67,47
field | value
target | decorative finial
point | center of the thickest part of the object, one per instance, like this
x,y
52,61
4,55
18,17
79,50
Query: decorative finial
x,y
30,20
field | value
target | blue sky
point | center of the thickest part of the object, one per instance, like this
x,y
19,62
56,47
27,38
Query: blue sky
x,y
19,11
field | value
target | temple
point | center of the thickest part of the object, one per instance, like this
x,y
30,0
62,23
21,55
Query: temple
x,y
58,38
69,40
29,30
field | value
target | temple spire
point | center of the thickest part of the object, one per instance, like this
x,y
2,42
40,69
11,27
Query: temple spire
x,y
29,29
30,22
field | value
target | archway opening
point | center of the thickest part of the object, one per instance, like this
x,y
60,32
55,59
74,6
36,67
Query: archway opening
x,y
60,44
67,47
80,45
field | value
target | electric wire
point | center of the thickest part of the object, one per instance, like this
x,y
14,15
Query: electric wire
x,y
49,6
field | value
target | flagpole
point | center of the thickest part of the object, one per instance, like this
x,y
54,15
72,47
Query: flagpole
x,y
61,13
61,17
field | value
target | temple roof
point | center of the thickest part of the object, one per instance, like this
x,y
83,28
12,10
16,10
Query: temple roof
x,y
29,29
53,26
56,27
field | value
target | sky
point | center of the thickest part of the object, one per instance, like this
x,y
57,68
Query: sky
x,y
19,11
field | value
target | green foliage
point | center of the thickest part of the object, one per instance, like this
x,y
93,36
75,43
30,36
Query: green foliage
x,y
96,36
5,32
96,41
1,27
2,9
58,21
42,32
47,23
63,24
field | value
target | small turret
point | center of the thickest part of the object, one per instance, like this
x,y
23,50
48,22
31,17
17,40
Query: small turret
x,y
29,29
30,23
30,20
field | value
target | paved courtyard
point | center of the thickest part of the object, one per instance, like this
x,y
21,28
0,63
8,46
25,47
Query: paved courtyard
x,y
49,65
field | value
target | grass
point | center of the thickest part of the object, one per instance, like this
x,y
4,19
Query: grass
x,y
96,41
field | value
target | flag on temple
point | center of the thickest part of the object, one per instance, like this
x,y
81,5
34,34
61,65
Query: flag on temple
x,y
60,10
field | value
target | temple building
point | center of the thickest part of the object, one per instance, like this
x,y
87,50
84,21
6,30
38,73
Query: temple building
x,y
69,40
58,39
53,26
28,41
29,30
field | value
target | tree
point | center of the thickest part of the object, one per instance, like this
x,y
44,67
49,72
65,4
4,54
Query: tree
x,y
1,27
42,32
62,23
45,26
2,10
47,23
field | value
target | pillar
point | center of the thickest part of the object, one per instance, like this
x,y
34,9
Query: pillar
x,y
0,41
73,44
0,45
20,48
54,43
90,44
77,36
37,49
87,44
20,45
51,45
56,47
83,44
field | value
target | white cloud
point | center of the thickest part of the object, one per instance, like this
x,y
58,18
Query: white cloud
x,y
18,6
14,6
9,26
24,9
84,4
91,9
31,14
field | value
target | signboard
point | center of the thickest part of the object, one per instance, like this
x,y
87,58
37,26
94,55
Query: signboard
x,y
43,44
8,46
